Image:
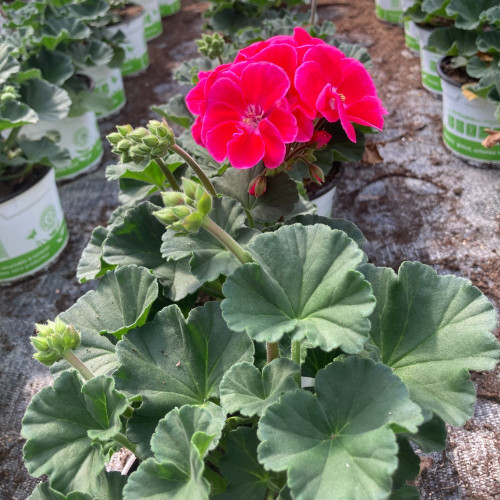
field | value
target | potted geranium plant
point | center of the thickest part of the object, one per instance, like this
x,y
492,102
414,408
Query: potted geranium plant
x,y
206,390
470,78
32,227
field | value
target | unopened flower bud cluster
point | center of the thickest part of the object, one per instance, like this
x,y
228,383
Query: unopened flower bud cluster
x,y
186,211
211,46
140,144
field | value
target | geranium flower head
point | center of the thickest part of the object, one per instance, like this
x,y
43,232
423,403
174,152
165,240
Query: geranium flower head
x,y
247,118
339,88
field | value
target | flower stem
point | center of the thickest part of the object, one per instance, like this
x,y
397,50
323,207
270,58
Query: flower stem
x,y
227,240
197,169
212,290
314,5
169,175
272,350
75,362
295,354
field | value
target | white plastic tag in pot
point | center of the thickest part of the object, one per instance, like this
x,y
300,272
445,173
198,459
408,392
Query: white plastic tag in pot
x,y
108,83
33,231
79,134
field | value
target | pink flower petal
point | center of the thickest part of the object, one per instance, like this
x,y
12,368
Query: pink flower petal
x,y
309,81
326,104
357,81
196,131
305,126
284,56
368,111
225,90
217,139
245,150
216,114
275,147
264,84
329,59
285,123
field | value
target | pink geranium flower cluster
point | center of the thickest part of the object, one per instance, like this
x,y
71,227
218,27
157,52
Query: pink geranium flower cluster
x,y
273,94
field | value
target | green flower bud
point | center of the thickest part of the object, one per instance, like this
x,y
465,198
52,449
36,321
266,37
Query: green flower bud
x,y
165,216
114,138
173,198
205,204
181,211
189,187
54,340
123,146
151,141
138,134
124,130
161,130
193,222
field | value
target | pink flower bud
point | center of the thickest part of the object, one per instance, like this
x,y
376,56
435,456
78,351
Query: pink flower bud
x,y
316,174
320,138
258,186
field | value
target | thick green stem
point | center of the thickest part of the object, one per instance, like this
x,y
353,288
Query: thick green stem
x,y
314,6
272,350
296,357
227,240
212,290
75,362
123,440
197,169
169,175
11,139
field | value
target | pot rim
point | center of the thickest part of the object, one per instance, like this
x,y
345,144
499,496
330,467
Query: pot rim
x,y
15,194
443,75
328,186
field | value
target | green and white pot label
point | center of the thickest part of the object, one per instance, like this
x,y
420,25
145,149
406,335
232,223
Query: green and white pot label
x,y
135,46
33,231
412,40
79,134
389,10
108,83
169,7
464,122
428,63
152,18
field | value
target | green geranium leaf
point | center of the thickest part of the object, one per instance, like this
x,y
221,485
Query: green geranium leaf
x,y
245,389
489,41
208,257
172,361
55,30
8,64
175,110
468,12
247,479
50,102
91,264
16,114
55,66
408,464
66,427
491,16
344,225
431,435
44,492
305,286
279,199
89,9
431,330
342,434
111,308
137,240
453,41
406,493
44,152
316,359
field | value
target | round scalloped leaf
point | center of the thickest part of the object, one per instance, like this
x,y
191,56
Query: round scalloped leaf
x,y
64,426
245,389
8,64
16,114
91,263
180,443
55,66
209,258
431,330
172,361
43,491
342,434
50,102
247,479
305,286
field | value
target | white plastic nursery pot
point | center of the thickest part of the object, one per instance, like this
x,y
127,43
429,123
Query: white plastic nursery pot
x,y
135,46
324,199
33,231
152,18
169,7
389,10
79,134
412,40
428,62
464,122
108,83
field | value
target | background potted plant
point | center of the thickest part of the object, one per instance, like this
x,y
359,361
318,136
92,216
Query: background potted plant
x,y
389,10
209,397
169,7
470,78
32,227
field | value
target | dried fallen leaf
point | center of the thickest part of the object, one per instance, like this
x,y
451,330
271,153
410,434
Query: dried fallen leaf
x,y
468,94
493,138
371,154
